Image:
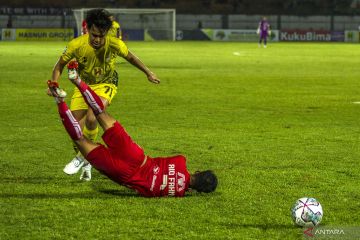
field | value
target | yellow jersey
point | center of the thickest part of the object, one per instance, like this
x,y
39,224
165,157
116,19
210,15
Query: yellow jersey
x,y
114,31
95,65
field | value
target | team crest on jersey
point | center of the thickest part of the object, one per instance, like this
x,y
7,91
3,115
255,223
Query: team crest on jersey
x,y
97,71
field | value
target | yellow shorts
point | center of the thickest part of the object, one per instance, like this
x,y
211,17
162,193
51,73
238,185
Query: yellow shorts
x,y
104,90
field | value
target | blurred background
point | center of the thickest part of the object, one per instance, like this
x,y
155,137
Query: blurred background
x,y
190,16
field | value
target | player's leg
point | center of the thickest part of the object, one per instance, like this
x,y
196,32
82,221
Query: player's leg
x,y
84,145
260,40
265,41
116,139
96,104
73,128
94,95
91,128
78,109
91,131
115,136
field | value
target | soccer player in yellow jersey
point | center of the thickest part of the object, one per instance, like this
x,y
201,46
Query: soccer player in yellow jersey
x,y
115,29
95,53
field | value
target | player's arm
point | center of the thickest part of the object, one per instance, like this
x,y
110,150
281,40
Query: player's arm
x,y
57,70
134,60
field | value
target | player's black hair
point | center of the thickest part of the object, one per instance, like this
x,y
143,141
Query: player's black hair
x,y
100,18
205,181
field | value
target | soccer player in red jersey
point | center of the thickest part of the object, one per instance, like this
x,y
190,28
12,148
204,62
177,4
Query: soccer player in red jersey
x,y
122,160
84,29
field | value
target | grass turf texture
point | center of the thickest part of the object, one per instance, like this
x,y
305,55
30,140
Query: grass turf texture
x,y
275,124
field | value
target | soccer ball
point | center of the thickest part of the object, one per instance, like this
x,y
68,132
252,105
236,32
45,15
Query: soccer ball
x,y
307,212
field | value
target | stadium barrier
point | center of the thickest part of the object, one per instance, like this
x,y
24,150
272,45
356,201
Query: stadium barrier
x,y
234,35
37,34
352,36
191,35
238,35
311,36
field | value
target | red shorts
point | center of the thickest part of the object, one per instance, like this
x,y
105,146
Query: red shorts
x,y
121,158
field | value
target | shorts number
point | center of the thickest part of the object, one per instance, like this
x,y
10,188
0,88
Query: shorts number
x,y
109,89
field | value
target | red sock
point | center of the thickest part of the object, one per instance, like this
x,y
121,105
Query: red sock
x,y
71,125
91,98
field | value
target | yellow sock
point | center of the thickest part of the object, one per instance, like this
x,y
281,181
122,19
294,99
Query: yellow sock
x,y
91,134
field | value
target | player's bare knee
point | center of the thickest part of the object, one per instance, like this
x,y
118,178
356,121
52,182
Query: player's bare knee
x,y
105,120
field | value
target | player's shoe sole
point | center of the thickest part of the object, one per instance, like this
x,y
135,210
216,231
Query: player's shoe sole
x,y
72,70
72,74
55,90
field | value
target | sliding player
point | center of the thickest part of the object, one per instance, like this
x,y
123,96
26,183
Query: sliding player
x,y
122,160
96,53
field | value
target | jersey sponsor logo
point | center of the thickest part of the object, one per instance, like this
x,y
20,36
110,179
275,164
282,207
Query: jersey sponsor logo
x,y
156,169
153,183
164,182
175,182
180,182
171,180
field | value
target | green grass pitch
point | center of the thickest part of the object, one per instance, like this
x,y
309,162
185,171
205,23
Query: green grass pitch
x,y
275,124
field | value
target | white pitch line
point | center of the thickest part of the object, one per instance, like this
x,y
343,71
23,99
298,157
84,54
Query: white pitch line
x,y
356,102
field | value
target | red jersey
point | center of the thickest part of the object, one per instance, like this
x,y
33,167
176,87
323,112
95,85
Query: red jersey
x,y
162,176
84,27
122,161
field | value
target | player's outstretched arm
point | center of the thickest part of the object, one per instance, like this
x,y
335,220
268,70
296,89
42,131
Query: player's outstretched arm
x,y
134,60
57,70
56,73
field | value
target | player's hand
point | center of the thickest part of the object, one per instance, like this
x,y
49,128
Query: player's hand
x,y
49,93
153,78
